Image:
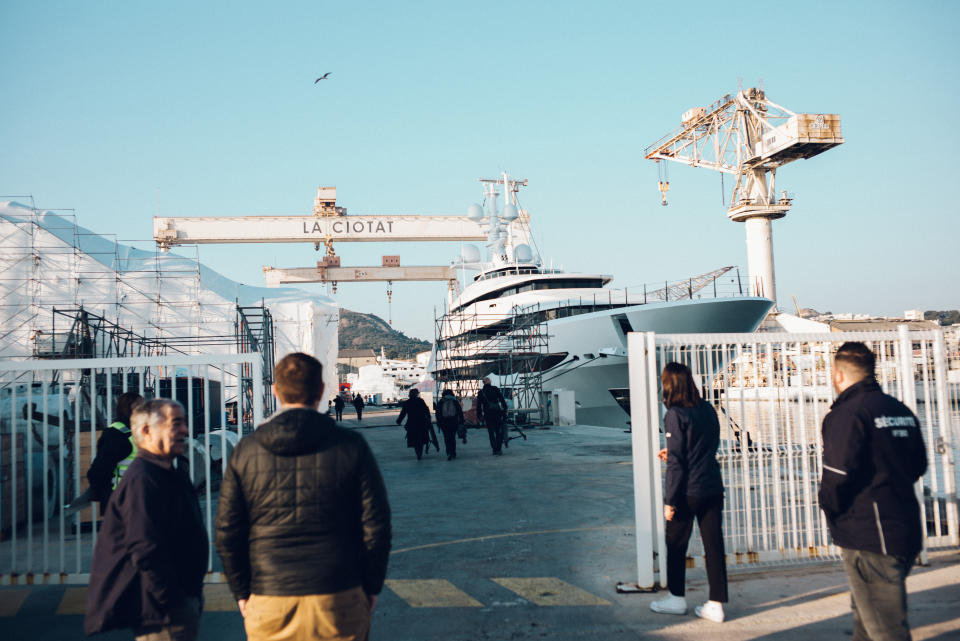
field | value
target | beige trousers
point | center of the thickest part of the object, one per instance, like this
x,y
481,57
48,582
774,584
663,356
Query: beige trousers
x,y
342,616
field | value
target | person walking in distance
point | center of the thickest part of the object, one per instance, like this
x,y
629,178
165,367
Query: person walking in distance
x,y
491,411
338,405
873,453
358,405
449,418
151,553
303,522
418,422
694,490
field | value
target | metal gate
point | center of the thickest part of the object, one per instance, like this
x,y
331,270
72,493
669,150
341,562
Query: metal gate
x,y
771,392
50,412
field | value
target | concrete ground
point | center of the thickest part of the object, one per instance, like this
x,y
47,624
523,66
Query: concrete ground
x,y
530,545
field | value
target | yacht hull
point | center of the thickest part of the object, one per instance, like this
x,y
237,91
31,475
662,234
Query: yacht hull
x,y
596,345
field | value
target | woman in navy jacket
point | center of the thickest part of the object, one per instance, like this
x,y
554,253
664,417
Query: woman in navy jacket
x,y
694,489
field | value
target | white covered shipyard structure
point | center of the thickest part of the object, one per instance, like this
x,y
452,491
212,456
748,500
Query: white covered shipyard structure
x,y
172,321
48,261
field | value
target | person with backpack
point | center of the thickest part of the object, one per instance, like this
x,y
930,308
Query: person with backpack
x,y
449,418
491,411
418,422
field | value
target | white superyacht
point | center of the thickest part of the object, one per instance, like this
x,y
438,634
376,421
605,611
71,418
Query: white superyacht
x,y
571,328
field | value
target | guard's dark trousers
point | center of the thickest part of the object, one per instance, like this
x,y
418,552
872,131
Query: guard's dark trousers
x,y
707,510
878,594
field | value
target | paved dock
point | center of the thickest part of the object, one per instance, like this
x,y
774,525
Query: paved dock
x,y
531,545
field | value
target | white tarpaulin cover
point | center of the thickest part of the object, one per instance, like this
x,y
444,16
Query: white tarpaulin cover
x,y
47,262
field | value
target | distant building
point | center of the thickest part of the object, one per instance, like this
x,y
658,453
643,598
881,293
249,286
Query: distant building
x,y
356,358
842,323
879,324
913,314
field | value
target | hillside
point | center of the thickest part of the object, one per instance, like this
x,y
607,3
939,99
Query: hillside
x,y
948,317
366,331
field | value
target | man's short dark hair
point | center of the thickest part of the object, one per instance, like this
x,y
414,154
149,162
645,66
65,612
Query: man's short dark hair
x,y
298,379
858,356
125,403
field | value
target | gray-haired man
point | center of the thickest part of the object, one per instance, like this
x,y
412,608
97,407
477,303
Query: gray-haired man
x,y
151,555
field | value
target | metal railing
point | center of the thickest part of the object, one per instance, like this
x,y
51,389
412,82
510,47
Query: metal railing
x,y
50,413
771,392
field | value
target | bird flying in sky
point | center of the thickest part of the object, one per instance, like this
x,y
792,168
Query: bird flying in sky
x,y
323,77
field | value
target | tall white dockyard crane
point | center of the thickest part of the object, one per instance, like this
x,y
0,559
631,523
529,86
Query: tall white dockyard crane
x,y
748,136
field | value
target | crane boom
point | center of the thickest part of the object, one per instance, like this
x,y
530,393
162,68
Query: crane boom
x,y
298,229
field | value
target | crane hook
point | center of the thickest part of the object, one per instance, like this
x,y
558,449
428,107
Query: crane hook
x,y
663,183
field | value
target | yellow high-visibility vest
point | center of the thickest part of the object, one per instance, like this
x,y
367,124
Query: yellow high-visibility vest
x,y
122,466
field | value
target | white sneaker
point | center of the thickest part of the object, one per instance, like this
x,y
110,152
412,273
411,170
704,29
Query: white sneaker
x,y
711,611
670,604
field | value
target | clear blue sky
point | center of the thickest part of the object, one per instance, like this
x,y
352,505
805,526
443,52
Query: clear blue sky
x,y
121,110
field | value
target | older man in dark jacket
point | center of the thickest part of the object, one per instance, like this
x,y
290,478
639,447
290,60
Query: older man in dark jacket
x,y
303,524
873,453
151,555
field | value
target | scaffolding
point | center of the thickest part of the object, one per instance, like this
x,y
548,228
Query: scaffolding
x,y
514,348
253,330
90,335
66,292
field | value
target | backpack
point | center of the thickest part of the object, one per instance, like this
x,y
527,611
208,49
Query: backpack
x,y
448,407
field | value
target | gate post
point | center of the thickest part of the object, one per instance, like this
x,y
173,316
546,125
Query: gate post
x,y
947,434
641,350
905,367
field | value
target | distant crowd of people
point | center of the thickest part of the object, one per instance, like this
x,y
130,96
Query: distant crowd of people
x,y
303,524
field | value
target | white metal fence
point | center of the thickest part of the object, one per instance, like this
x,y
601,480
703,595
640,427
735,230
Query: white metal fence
x,y
771,392
50,414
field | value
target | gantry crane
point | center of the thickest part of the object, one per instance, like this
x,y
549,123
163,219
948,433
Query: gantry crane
x,y
328,224
750,137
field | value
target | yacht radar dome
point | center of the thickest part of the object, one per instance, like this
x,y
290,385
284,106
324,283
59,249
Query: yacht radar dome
x,y
470,254
523,254
475,212
509,213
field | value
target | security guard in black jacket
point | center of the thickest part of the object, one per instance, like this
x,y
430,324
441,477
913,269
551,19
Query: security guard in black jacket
x,y
873,453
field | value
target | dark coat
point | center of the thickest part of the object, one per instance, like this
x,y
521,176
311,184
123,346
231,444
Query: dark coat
x,y
491,406
303,510
873,453
338,403
693,435
151,553
418,421
358,401
112,447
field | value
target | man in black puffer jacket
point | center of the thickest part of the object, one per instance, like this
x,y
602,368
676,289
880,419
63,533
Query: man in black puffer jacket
x,y
303,524
873,454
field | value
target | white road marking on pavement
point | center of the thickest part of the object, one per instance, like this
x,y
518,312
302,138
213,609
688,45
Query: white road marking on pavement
x,y
491,537
218,598
74,601
550,591
11,600
432,593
